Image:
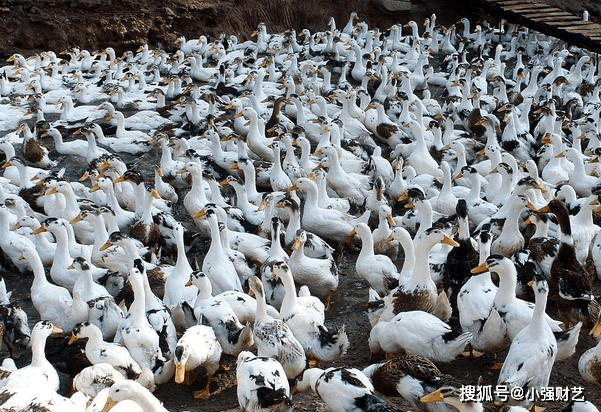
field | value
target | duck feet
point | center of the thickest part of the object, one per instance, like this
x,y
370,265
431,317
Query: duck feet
x,y
206,392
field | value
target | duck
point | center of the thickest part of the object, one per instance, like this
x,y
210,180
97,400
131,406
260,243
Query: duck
x,y
33,151
71,148
198,348
451,395
351,186
320,275
51,301
217,266
305,317
461,258
39,371
475,305
589,361
330,224
378,270
98,351
12,243
94,379
343,389
570,284
532,352
517,313
136,332
428,336
16,333
314,246
231,334
409,375
261,384
417,290
274,338
129,390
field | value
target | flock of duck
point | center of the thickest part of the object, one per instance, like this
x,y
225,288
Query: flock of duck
x,y
171,210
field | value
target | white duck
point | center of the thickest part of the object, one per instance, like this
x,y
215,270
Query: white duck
x,y
198,347
261,384
274,338
305,318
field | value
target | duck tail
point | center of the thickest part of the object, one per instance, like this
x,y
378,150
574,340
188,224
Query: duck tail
x,y
453,345
375,307
269,397
332,345
567,341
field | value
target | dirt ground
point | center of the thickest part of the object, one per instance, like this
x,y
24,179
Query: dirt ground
x,y
28,26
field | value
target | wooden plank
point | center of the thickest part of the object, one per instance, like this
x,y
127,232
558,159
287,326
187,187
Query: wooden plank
x,y
574,20
518,8
567,23
554,14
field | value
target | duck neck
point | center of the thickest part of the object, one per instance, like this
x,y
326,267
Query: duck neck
x,y
294,224
100,233
138,306
421,274
507,283
540,304
39,273
367,241
250,182
38,352
62,258
424,211
197,190
182,265
290,299
120,123
215,247
409,251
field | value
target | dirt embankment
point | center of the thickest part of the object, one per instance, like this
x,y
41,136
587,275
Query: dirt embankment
x,y
28,26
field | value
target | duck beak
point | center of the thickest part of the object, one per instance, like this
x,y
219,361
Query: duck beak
x,y
201,214
155,194
56,330
95,187
181,170
75,219
72,339
106,245
234,166
531,283
84,177
404,196
390,220
52,190
409,205
104,165
435,396
560,154
180,372
110,402
481,268
119,179
596,331
447,240
296,244
188,283
39,230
